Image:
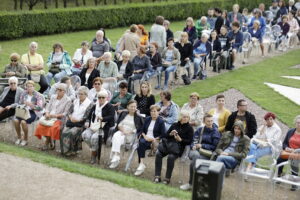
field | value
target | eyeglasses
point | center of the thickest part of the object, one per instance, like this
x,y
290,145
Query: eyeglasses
x,y
97,83
14,60
101,97
243,105
12,83
81,94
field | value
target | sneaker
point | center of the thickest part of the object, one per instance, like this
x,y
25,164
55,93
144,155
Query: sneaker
x,y
166,181
186,187
115,164
227,173
141,168
194,77
24,143
157,87
157,180
18,142
294,188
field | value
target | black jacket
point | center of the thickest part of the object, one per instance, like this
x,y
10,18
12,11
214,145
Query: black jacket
x,y
216,46
128,70
250,123
186,51
169,35
150,102
224,40
95,73
219,23
138,121
185,131
159,129
108,115
155,60
192,33
287,138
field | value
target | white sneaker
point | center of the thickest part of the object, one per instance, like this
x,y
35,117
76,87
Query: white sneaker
x,y
24,143
18,142
115,164
141,168
115,158
186,186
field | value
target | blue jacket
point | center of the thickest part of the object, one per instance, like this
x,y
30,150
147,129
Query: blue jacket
x,y
287,138
210,138
258,34
262,22
238,37
172,116
207,45
159,129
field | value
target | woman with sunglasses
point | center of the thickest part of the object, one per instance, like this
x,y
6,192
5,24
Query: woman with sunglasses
x,y
14,68
102,115
97,87
10,98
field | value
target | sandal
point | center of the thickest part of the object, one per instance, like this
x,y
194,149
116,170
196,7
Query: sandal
x,y
157,179
52,146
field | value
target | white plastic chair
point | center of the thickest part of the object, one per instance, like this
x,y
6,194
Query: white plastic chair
x,y
177,36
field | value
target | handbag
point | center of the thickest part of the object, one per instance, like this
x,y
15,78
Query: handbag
x,y
95,126
169,147
54,68
22,112
47,122
204,152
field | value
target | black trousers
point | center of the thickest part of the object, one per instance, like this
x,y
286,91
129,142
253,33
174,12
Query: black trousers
x,y
170,163
7,113
43,83
280,169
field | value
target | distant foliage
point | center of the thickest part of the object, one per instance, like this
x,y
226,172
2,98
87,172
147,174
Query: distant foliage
x,y
24,24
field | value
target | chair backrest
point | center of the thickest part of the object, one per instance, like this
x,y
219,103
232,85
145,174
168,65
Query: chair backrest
x,y
269,16
246,37
75,82
276,30
4,81
294,162
177,36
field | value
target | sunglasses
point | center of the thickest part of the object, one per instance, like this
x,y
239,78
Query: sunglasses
x,y
101,97
14,60
12,83
97,83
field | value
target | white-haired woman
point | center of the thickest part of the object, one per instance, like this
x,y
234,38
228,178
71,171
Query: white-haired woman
x,y
56,110
34,101
108,72
35,66
101,116
202,25
194,108
201,49
125,66
9,98
178,136
190,29
76,117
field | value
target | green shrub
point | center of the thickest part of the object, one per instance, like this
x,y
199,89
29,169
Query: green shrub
x,y
24,24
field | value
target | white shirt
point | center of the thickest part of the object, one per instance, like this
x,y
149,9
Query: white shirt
x,y
29,97
158,34
216,118
150,129
79,109
79,57
87,77
122,69
270,134
128,123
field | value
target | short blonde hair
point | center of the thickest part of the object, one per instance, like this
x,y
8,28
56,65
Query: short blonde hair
x,y
126,53
29,82
14,55
195,94
191,20
184,113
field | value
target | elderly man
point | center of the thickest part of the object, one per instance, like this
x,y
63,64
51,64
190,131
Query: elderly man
x,y
202,25
70,92
35,65
130,41
108,72
10,98
99,46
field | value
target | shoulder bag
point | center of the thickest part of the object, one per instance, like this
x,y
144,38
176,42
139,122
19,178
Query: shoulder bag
x,y
22,112
47,122
204,152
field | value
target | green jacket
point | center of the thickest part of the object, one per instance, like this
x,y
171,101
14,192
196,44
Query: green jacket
x,y
241,148
200,27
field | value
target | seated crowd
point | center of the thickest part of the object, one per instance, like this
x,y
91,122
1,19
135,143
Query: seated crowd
x,y
106,99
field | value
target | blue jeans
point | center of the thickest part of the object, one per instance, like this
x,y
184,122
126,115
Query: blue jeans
x,y
168,70
75,71
197,63
229,161
258,152
56,77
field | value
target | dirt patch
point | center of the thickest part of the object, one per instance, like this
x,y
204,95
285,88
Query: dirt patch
x,y
296,67
26,179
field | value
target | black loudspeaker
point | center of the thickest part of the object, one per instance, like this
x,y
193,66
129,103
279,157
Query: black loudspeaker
x,y
208,180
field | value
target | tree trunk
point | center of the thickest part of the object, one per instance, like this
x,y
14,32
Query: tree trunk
x,y
105,2
83,2
65,3
115,2
21,4
96,2
15,4
76,3
45,4
56,3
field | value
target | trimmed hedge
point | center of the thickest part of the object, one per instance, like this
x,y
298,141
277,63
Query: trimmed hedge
x,y
24,24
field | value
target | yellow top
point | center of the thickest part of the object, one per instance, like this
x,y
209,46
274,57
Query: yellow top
x,y
35,60
223,117
144,39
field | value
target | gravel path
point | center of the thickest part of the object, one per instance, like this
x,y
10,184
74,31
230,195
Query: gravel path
x,y
26,179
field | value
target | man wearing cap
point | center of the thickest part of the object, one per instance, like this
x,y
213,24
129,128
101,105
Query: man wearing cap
x,y
233,147
243,115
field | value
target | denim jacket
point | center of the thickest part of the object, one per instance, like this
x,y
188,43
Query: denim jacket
x,y
172,114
